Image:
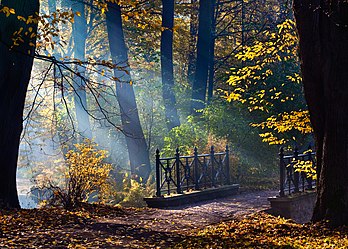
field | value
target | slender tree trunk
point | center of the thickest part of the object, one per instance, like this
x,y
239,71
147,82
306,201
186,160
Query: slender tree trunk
x,y
192,43
80,96
136,144
167,67
212,51
324,62
199,87
15,68
61,134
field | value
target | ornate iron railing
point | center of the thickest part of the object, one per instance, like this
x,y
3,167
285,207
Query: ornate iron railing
x,y
184,173
293,178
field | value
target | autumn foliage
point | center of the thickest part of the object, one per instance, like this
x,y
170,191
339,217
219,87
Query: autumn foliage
x,y
86,177
261,230
93,226
269,81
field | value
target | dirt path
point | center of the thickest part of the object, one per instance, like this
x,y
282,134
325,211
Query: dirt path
x,y
98,226
151,225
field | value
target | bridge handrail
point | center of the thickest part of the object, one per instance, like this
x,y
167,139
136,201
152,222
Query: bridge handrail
x,y
191,172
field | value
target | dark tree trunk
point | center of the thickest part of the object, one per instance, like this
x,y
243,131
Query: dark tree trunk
x,y
15,69
79,84
136,144
212,51
199,87
211,71
167,67
324,62
192,43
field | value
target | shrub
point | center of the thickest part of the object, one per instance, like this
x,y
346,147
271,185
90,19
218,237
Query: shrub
x,y
134,192
86,178
185,137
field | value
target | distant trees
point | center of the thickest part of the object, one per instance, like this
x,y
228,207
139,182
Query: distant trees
x,y
79,34
15,68
194,54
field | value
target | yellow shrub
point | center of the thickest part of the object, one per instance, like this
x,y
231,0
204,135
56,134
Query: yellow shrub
x,y
86,177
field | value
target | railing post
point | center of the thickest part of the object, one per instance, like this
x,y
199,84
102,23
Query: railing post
x,y
296,173
281,171
227,165
168,174
205,171
158,174
178,175
212,159
187,173
195,153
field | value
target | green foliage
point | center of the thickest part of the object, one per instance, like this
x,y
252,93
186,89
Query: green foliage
x,y
269,81
224,124
185,137
230,124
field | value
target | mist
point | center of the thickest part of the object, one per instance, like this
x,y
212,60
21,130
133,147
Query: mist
x,y
99,76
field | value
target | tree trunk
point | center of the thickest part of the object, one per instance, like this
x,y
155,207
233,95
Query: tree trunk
x,y
62,135
192,44
324,61
212,51
79,84
199,87
167,67
136,144
15,68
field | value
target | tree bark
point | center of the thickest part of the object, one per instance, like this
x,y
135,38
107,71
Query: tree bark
x,y
15,68
199,87
192,43
167,67
79,84
212,51
136,144
322,28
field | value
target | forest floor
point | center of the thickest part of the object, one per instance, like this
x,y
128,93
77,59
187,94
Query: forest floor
x,y
232,222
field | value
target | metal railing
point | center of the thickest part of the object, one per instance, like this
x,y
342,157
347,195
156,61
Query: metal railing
x,y
293,179
185,173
